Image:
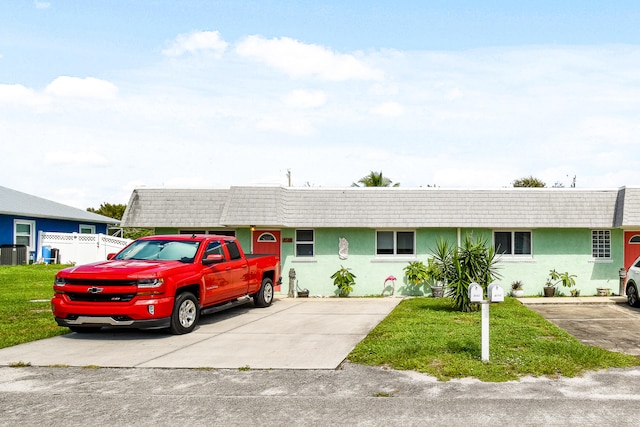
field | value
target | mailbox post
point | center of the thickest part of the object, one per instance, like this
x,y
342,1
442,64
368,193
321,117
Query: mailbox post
x,y
495,293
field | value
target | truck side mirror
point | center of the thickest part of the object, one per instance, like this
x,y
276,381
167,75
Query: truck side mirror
x,y
212,259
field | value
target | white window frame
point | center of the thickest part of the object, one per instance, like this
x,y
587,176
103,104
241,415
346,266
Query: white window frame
x,y
601,237
305,242
32,236
91,228
513,243
395,243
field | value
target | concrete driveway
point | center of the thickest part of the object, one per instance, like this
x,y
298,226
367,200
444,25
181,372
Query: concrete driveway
x,y
293,333
607,322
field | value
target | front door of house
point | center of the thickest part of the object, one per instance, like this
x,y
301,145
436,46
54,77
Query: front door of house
x,y
266,242
631,247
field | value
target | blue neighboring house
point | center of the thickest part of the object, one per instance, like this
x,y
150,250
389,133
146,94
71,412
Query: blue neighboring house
x,y
23,217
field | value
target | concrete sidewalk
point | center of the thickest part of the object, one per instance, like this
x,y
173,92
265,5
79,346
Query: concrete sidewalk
x,y
606,322
300,333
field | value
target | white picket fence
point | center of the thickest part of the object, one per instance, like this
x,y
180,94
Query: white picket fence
x,y
76,248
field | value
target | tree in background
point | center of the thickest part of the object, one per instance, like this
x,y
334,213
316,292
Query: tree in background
x,y
110,210
116,211
375,179
529,181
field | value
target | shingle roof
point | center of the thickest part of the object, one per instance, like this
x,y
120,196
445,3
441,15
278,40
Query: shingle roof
x,y
384,207
14,202
174,208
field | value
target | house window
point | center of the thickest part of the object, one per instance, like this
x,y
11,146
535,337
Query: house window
x,y
87,229
601,243
267,237
305,245
512,242
24,233
395,243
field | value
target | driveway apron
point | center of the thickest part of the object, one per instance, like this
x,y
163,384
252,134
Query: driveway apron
x,y
293,333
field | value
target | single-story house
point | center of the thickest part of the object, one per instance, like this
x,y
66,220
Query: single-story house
x,y
23,217
375,232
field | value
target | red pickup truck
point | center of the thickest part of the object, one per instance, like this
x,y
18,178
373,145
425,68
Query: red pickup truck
x,y
163,282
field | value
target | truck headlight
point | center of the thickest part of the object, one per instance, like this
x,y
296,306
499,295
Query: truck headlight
x,y
59,281
149,283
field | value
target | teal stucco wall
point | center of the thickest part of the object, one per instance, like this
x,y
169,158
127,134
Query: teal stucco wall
x,y
561,249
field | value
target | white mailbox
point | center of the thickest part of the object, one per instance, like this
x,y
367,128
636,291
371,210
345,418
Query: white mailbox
x,y
495,293
476,293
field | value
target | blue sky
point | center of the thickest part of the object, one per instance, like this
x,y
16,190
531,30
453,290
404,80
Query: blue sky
x,y
100,97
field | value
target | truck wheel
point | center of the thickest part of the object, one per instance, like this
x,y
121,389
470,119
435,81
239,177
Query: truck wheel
x,y
632,295
264,297
185,314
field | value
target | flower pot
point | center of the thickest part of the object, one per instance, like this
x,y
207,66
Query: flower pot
x,y
549,291
603,292
517,293
437,291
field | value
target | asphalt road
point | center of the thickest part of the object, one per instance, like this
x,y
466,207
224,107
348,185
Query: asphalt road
x,y
350,396
347,396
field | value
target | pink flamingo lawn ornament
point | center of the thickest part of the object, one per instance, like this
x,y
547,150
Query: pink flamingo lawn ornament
x,y
392,279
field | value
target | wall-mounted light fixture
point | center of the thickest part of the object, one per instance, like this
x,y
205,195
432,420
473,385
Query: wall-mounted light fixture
x,y
252,227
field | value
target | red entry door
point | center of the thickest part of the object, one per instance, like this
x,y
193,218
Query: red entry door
x,y
631,247
266,242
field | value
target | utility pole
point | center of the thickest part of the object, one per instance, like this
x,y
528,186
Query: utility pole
x,y
289,176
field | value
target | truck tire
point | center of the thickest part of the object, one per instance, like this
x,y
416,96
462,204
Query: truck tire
x,y
264,297
186,312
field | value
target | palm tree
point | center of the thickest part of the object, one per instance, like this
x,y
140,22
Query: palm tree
x,y
375,179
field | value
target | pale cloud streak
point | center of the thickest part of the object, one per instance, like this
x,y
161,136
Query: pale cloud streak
x,y
74,87
198,41
305,98
301,60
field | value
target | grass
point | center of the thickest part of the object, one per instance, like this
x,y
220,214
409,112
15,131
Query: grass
x,y
25,310
428,335
421,334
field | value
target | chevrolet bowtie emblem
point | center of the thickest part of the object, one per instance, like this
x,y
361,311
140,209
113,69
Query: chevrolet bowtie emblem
x,y
94,290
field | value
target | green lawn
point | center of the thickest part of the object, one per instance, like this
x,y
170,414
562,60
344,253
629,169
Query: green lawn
x,y
25,310
427,335
421,334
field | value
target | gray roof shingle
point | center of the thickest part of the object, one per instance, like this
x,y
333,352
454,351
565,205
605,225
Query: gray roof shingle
x,y
14,202
384,207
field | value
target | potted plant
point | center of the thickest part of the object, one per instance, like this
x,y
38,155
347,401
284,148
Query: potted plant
x,y
555,278
516,289
416,274
344,279
435,278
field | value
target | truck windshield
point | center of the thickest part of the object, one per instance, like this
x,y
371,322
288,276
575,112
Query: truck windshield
x,y
166,250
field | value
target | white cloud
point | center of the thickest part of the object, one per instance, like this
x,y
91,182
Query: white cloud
x,y
72,158
74,87
42,4
388,109
300,60
20,95
291,126
305,98
197,42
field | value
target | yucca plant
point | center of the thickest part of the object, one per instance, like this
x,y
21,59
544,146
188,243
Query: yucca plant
x,y
474,261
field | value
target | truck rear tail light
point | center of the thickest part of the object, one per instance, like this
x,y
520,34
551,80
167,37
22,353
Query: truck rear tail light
x,y
151,309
